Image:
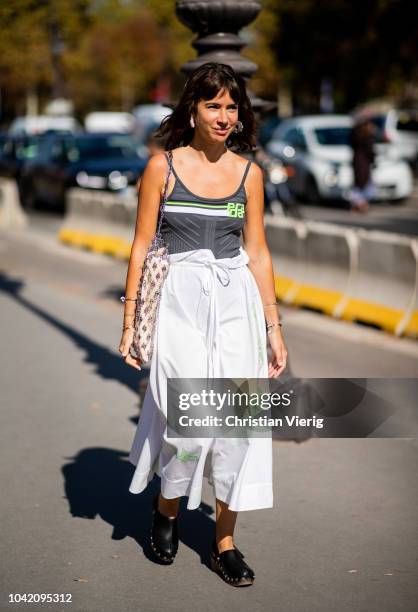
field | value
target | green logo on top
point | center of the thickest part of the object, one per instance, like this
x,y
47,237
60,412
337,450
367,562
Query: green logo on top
x,y
235,209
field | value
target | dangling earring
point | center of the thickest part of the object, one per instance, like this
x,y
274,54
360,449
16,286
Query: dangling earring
x,y
192,123
238,127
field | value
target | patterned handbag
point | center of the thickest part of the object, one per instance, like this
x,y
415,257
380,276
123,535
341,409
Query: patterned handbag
x,y
154,272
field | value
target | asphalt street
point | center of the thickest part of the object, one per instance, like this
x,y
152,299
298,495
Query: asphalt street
x,y
342,535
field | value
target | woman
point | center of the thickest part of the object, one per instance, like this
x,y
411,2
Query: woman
x,y
214,306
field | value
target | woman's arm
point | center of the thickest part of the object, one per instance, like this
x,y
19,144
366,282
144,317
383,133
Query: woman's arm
x,y
151,187
261,266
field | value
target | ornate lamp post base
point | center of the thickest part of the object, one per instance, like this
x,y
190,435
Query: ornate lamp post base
x,y
217,23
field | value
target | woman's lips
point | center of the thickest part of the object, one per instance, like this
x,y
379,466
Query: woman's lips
x,y
220,131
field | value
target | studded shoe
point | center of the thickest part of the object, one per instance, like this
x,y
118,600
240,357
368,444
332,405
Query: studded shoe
x,y
231,567
164,535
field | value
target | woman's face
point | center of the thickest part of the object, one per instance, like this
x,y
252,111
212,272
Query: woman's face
x,y
216,118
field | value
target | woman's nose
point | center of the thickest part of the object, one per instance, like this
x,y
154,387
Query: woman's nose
x,y
223,117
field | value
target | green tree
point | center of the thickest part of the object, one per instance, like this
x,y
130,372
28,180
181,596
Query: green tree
x,y
35,34
366,47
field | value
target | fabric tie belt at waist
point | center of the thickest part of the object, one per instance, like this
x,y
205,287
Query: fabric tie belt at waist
x,y
218,269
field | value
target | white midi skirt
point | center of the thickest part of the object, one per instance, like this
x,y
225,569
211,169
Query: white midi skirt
x,y
210,325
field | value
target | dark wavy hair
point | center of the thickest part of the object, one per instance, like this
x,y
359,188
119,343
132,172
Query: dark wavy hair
x,y
204,83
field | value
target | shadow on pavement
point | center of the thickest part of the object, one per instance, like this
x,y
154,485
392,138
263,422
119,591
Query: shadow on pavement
x,y
108,364
96,484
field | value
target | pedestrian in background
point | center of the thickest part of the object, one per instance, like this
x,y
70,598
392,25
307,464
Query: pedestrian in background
x,y
362,143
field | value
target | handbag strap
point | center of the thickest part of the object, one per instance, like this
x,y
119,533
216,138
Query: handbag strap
x,y
164,198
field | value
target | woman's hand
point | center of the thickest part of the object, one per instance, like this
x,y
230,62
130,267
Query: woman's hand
x,y
124,346
279,353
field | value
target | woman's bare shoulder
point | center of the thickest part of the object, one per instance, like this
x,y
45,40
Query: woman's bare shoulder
x,y
156,167
154,172
157,162
254,172
238,159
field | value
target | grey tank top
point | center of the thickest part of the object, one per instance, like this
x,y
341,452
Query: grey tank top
x,y
191,222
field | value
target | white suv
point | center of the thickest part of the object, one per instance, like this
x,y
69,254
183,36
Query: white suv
x,y
317,148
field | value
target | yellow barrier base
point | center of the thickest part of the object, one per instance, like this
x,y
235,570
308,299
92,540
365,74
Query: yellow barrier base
x,y
287,290
325,300
375,314
99,243
284,287
317,298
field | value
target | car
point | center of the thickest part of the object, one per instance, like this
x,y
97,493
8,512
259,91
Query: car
x,y
397,128
149,117
267,125
317,148
110,122
3,138
108,161
40,124
15,151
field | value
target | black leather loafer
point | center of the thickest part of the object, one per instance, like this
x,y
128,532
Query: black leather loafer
x,y
164,535
231,567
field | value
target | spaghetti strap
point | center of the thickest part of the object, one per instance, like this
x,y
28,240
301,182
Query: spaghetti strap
x,y
176,176
167,156
250,161
174,172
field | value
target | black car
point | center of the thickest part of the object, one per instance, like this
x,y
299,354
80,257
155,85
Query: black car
x,y
15,151
109,161
3,138
267,126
